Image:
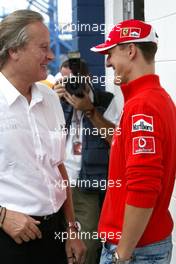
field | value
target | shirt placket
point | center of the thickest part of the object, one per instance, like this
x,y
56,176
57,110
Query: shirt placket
x,y
36,137
40,157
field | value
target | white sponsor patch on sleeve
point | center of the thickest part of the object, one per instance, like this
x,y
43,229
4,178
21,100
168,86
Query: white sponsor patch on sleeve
x,y
143,145
142,122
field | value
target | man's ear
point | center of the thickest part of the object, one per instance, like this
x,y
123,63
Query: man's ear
x,y
13,53
132,51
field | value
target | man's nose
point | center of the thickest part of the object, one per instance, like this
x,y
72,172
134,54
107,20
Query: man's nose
x,y
50,55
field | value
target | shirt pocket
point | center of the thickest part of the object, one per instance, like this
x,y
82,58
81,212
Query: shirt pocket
x,y
57,139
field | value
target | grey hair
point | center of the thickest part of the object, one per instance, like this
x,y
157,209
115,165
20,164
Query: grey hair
x,y
13,33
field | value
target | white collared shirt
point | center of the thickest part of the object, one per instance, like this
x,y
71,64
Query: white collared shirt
x,y
32,146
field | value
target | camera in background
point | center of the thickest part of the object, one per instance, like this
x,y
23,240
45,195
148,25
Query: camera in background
x,y
77,83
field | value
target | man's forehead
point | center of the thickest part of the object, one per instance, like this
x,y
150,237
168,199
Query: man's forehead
x,y
37,28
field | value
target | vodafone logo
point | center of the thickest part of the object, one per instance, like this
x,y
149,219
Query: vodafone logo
x,y
143,145
142,142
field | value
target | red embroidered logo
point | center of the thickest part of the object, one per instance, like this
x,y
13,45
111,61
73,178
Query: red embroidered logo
x,y
145,145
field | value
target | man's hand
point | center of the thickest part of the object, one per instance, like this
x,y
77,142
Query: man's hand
x,y
76,251
21,227
82,104
135,222
59,88
75,248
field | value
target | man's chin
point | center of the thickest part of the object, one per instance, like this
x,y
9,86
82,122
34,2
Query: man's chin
x,y
117,81
43,76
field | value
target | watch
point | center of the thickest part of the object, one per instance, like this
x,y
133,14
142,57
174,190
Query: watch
x,y
116,259
75,225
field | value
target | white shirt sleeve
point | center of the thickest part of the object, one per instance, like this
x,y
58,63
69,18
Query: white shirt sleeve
x,y
112,113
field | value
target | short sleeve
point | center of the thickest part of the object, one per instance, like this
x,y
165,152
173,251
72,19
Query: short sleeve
x,y
112,113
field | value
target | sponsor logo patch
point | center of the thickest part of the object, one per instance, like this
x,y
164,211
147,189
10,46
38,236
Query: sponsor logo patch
x,y
142,122
130,32
135,32
143,145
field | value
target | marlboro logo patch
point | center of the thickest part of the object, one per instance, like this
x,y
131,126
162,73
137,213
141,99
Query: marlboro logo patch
x,y
142,122
143,145
135,32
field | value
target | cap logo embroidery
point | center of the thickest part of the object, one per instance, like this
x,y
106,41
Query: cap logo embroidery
x,y
125,32
134,34
130,32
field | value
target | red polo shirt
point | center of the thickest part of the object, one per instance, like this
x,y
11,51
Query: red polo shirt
x,y
142,161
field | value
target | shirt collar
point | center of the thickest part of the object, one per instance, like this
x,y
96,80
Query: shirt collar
x,y
8,90
11,93
136,86
37,96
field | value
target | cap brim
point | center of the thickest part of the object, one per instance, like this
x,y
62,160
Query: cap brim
x,y
102,48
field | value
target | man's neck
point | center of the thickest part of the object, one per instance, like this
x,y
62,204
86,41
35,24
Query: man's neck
x,y
19,83
140,70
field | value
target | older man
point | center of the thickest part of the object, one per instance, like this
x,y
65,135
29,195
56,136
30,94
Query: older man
x,y
32,198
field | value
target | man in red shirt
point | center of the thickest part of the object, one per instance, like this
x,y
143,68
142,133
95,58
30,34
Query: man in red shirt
x,y
135,220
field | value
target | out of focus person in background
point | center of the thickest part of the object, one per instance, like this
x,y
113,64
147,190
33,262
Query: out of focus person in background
x,y
63,71
33,205
90,116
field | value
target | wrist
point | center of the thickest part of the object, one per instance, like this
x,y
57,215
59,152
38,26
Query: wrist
x,y
75,225
117,259
124,252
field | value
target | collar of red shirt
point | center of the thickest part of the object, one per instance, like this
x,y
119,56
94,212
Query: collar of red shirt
x,y
136,86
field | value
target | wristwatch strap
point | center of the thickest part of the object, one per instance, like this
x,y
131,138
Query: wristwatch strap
x,y
117,260
75,225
